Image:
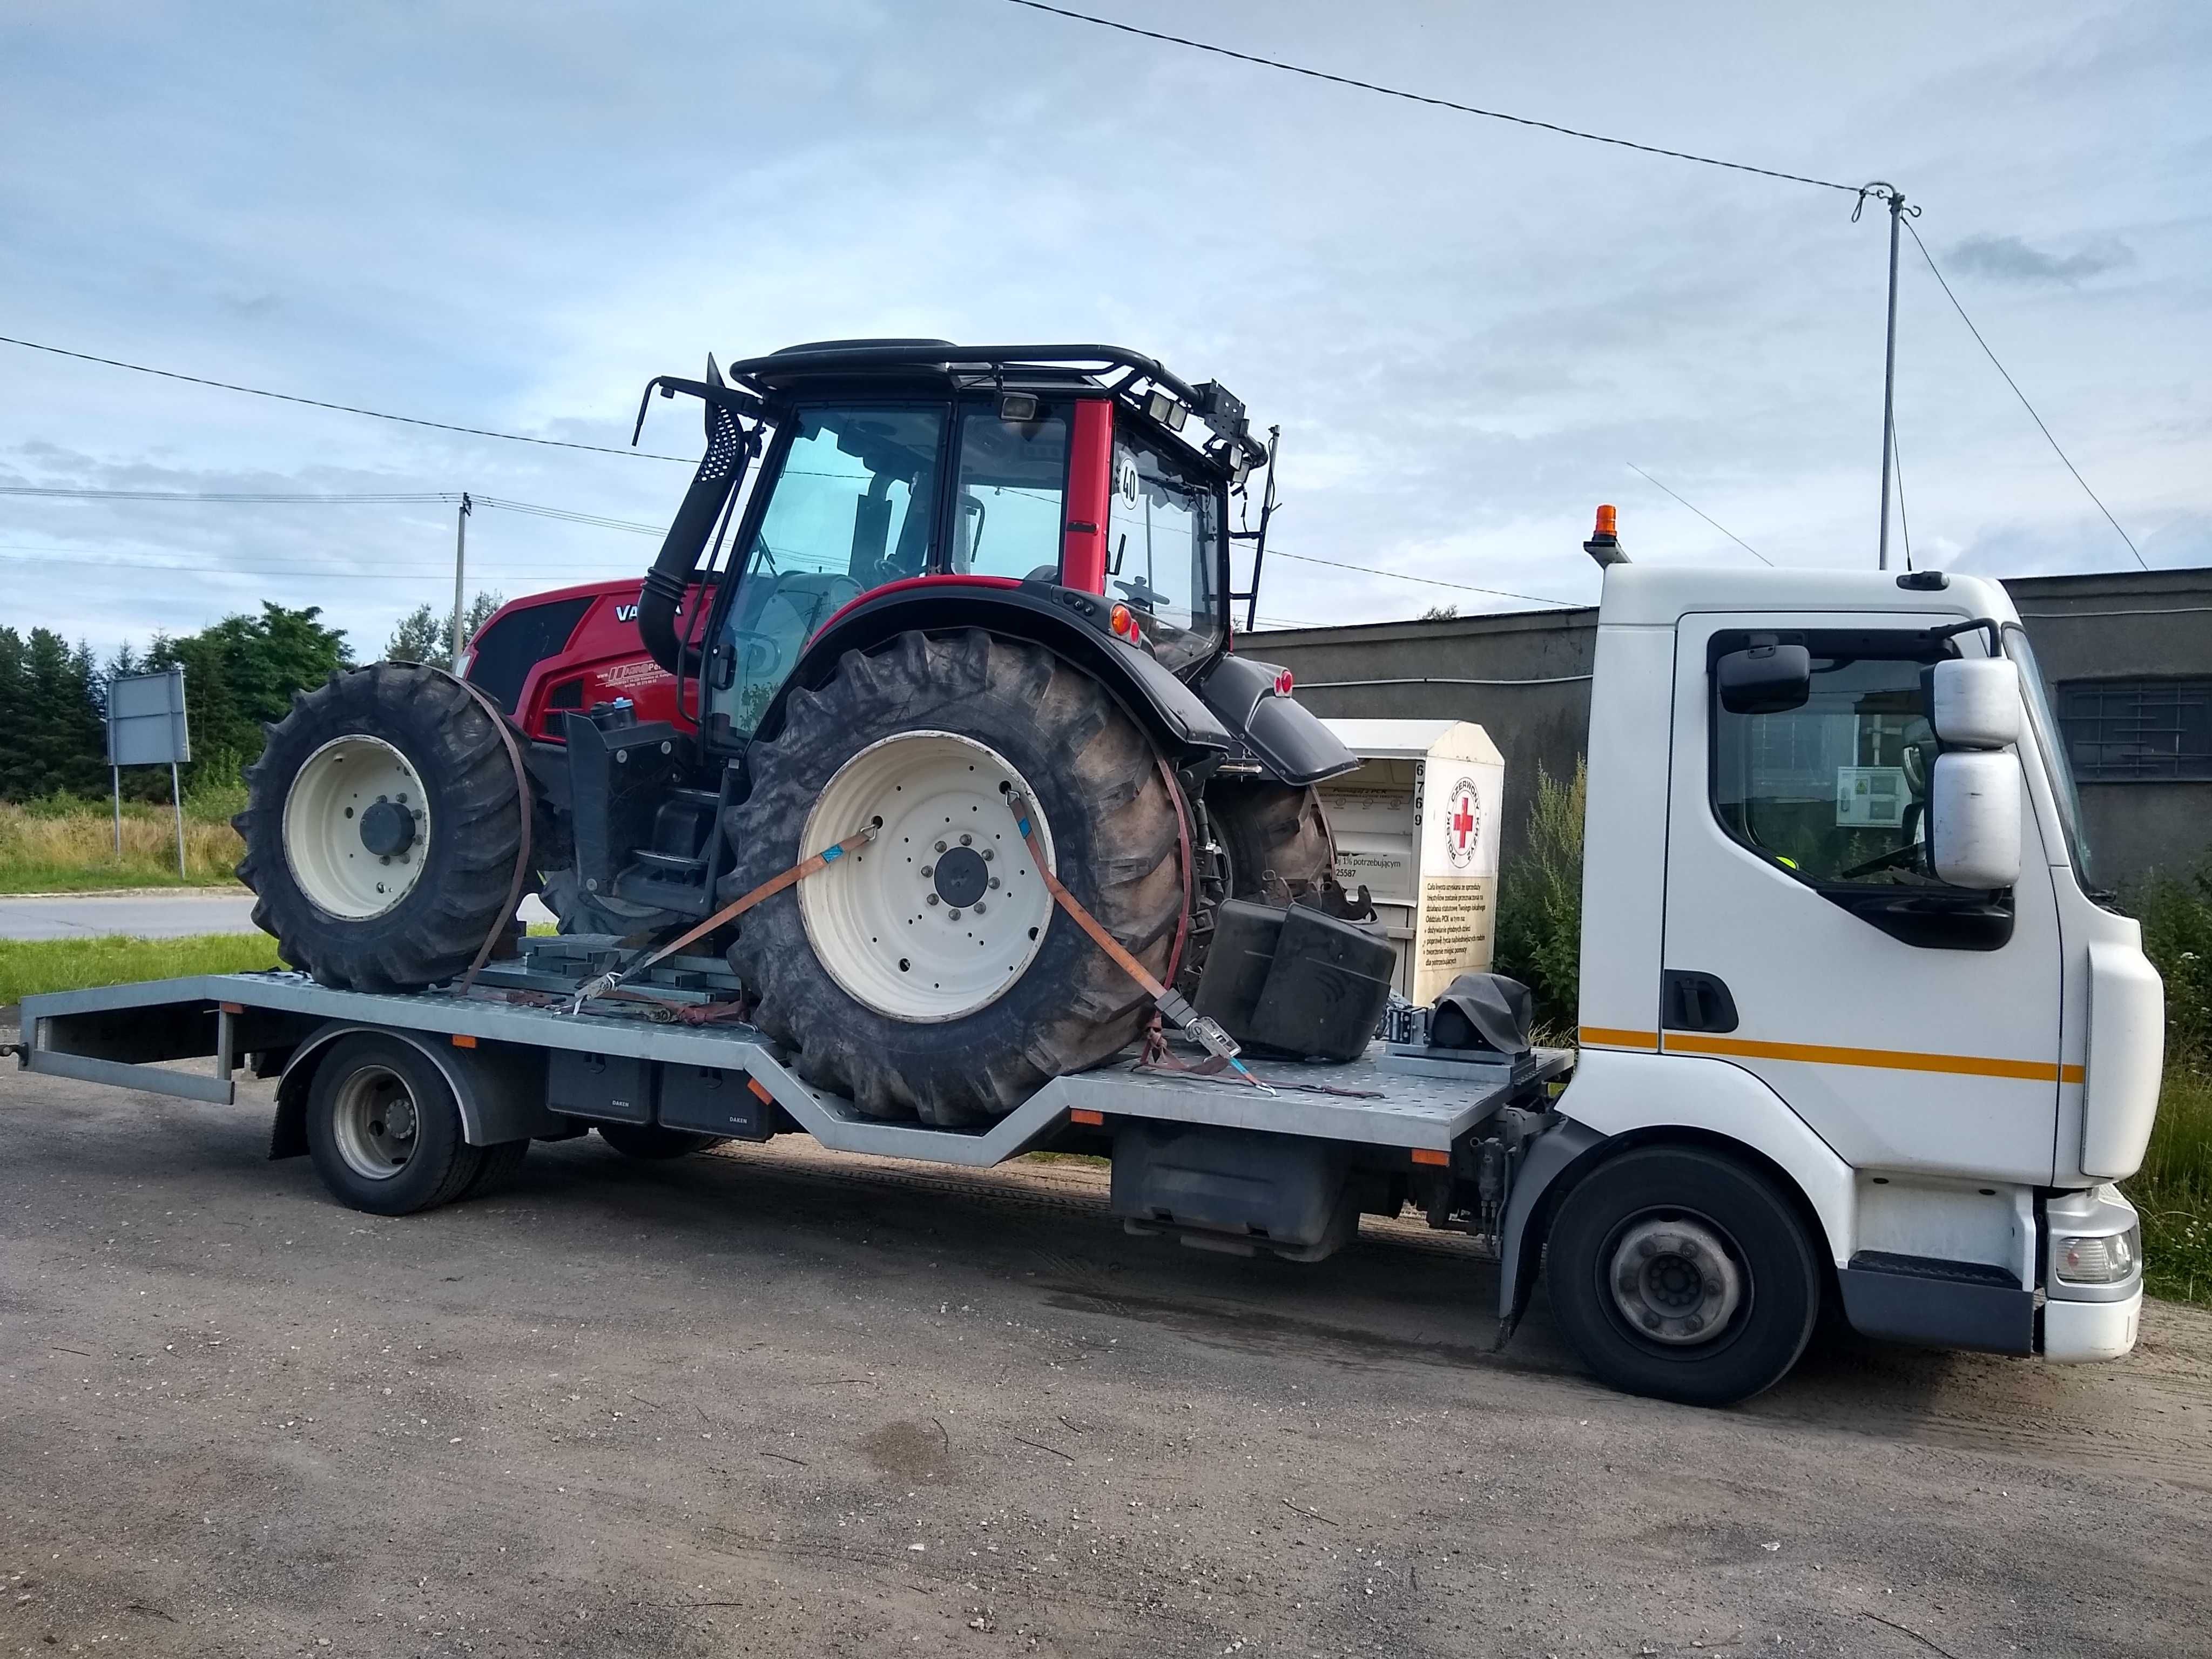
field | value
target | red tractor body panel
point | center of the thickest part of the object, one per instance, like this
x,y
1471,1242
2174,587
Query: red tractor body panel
x,y
547,655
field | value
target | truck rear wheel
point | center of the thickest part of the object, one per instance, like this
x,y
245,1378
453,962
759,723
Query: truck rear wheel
x,y
926,974
1683,1274
383,1130
383,823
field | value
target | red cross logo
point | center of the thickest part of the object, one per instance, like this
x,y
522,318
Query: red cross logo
x,y
1463,823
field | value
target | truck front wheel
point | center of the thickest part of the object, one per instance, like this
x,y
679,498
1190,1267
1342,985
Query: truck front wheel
x,y
1683,1274
383,1130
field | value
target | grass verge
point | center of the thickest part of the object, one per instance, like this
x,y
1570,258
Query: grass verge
x,y
2174,1192
30,966
43,850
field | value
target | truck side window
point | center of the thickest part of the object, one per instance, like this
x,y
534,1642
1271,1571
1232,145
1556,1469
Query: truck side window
x,y
1835,791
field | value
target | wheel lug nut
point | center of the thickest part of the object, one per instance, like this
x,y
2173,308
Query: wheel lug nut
x,y
953,914
988,855
928,869
940,847
979,907
967,841
994,883
931,899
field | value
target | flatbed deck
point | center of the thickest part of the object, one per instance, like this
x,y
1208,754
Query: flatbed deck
x,y
129,1036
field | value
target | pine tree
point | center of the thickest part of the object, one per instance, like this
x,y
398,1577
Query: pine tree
x,y
14,698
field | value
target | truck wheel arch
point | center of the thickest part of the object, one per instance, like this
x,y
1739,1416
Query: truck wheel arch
x,y
1719,1107
500,1091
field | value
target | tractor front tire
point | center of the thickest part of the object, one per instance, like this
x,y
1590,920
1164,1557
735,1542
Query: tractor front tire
x,y
382,826
927,974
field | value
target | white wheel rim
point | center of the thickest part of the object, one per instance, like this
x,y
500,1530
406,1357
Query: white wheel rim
x,y
324,827
920,947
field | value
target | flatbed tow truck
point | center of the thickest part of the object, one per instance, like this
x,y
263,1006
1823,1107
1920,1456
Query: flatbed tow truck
x,y
1855,1028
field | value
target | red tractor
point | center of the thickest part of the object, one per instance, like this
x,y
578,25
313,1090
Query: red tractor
x,y
960,578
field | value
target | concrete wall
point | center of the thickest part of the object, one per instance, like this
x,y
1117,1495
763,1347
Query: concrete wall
x,y
2122,626
1524,675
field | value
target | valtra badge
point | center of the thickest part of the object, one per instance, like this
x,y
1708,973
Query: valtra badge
x,y
1463,823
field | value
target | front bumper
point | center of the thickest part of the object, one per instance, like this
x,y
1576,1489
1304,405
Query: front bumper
x,y
2075,1333
2084,1322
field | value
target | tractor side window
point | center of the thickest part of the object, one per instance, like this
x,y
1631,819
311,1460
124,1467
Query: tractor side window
x,y
1835,791
849,510
1163,537
1013,485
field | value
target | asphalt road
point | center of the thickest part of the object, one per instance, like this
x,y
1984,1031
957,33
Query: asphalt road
x,y
770,1400
157,913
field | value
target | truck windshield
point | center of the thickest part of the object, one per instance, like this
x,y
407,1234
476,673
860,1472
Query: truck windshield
x,y
2050,743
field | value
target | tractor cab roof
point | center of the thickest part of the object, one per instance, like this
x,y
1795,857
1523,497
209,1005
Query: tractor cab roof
x,y
1138,381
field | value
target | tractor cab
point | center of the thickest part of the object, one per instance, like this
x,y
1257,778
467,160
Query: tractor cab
x,y
891,465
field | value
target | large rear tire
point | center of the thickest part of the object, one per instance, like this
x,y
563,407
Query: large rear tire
x,y
383,823
927,974
1277,840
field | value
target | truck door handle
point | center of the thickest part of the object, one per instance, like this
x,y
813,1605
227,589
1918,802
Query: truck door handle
x,y
1691,1001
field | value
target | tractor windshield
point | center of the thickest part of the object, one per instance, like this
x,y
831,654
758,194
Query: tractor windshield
x,y
850,509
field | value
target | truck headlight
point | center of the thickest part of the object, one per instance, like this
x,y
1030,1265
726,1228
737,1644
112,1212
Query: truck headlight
x,y
2101,1258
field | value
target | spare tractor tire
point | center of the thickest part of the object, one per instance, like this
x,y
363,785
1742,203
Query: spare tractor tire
x,y
383,823
1277,840
929,974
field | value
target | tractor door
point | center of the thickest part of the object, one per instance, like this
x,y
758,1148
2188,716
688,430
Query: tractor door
x,y
849,502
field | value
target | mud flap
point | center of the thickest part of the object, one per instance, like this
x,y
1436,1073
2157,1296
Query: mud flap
x,y
1549,1156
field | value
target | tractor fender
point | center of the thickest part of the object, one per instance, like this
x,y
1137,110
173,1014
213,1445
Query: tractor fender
x,y
1286,737
1170,713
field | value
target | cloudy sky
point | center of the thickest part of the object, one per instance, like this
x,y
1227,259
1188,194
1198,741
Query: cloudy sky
x,y
511,216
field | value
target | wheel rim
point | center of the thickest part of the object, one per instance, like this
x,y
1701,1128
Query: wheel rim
x,y
1675,1280
356,827
375,1122
942,913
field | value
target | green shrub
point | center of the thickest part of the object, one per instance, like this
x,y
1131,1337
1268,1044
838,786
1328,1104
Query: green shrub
x,y
1539,900
2176,913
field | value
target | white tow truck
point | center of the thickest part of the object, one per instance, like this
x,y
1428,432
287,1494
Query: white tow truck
x,y
1854,1024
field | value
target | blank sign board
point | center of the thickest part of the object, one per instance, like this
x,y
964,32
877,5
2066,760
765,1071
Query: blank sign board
x,y
146,720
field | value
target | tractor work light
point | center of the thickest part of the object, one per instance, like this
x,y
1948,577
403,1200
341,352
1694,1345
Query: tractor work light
x,y
2099,1259
1165,410
1017,407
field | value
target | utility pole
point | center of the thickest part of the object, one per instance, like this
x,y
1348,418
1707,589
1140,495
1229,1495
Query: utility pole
x,y
461,523
1895,197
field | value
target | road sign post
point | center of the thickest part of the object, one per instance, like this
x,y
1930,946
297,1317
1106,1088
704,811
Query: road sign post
x,y
147,727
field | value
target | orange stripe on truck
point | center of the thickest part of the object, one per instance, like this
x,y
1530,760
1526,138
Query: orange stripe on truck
x,y
1888,1059
1606,1036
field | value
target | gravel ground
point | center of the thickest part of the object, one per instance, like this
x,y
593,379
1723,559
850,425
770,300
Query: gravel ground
x,y
771,1401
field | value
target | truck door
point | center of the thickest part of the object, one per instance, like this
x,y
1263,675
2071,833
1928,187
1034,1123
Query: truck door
x,y
1913,1025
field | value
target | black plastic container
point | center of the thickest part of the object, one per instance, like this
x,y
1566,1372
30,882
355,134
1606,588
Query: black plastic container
x,y
1296,981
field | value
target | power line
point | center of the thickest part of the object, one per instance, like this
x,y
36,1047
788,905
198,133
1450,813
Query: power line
x,y
342,409
232,498
1430,581
1706,516
1423,98
2022,396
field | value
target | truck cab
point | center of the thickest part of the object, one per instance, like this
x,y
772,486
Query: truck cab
x,y
1841,924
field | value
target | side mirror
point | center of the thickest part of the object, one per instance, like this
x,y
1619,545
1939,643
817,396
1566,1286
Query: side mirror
x,y
1973,818
1974,702
1765,678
